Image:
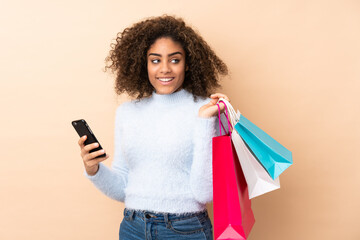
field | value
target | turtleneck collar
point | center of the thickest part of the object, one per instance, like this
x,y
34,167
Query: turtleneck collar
x,y
173,98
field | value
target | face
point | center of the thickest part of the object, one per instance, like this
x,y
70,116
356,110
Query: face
x,y
166,66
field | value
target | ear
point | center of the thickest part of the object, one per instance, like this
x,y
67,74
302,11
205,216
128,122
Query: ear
x,y
186,68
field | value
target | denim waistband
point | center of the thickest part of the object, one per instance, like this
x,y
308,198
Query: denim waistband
x,y
163,217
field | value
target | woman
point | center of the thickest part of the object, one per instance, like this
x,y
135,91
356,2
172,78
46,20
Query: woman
x,y
162,166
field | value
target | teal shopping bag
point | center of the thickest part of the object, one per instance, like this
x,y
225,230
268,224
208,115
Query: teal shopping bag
x,y
274,157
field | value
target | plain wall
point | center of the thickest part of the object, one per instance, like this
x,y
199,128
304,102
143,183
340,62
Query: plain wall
x,y
295,71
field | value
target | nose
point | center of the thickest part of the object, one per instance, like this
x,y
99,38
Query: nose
x,y
165,67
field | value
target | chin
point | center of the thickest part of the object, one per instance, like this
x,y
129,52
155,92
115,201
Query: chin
x,y
166,91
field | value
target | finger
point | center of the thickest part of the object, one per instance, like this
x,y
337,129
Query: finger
x,y
82,140
95,161
220,95
93,155
87,148
213,101
91,146
223,96
222,106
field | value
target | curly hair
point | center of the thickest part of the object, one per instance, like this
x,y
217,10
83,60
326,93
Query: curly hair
x,y
127,57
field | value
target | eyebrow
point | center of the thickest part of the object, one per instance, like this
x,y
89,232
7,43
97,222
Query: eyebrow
x,y
169,55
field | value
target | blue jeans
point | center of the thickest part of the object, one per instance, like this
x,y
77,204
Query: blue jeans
x,y
144,225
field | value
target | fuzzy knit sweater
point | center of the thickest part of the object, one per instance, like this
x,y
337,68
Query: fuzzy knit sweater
x,y
163,155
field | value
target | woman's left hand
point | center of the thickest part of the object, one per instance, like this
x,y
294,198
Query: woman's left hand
x,y
210,109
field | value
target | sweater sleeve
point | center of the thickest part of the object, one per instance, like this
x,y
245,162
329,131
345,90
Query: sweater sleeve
x,y
112,181
201,168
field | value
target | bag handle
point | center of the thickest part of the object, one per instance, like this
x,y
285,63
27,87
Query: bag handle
x,y
227,117
234,118
219,119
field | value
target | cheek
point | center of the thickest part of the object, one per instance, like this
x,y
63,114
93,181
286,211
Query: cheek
x,y
181,70
151,71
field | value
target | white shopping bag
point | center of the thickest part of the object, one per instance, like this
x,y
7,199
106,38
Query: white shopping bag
x,y
258,180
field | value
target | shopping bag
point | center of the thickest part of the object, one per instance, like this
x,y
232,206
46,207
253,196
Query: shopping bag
x,y
258,180
233,217
274,157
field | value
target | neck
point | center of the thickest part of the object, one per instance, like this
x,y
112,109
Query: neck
x,y
173,98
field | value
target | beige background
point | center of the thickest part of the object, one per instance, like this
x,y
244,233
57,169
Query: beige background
x,y
295,71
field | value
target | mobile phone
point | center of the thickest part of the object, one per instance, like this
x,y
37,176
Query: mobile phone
x,y
82,128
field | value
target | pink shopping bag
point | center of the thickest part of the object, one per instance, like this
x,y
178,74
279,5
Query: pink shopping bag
x,y
233,217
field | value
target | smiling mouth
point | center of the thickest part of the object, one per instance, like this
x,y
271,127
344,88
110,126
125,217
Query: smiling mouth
x,y
168,79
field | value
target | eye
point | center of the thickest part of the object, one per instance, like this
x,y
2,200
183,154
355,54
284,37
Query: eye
x,y
155,61
175,60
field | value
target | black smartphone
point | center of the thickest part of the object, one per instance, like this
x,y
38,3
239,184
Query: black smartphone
x,y
82,128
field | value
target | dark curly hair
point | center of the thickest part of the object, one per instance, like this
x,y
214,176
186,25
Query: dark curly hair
x,y
128,60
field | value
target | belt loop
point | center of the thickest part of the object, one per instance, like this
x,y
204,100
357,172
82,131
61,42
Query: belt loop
x,y
131,217
166,218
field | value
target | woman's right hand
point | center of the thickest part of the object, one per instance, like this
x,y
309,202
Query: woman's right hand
x,y
91,163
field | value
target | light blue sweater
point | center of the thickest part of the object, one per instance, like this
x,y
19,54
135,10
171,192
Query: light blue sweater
x,y
163,155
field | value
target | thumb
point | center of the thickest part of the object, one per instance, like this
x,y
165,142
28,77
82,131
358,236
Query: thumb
x,y
213,101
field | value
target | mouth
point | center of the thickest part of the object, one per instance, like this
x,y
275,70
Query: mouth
x,y
167,79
